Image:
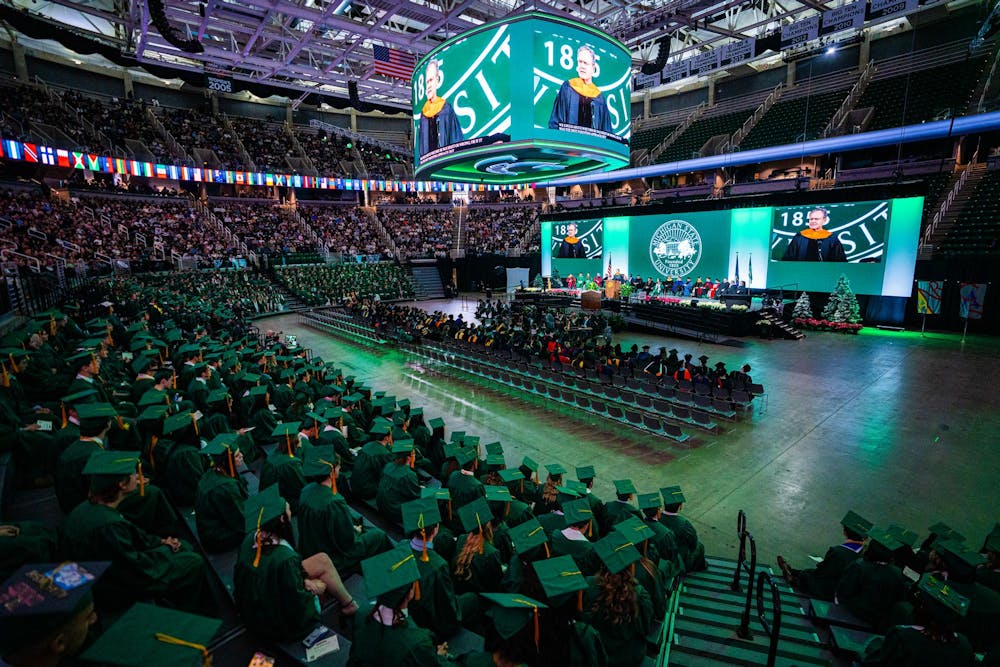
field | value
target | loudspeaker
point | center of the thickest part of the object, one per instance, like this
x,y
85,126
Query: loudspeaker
x,y
352,93
159,18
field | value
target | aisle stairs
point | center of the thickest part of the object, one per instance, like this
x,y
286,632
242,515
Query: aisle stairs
x,y
426,281
781,327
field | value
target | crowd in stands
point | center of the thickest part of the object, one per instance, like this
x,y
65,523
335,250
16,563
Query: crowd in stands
x,y
344,229
324,150
242,294
267,142
326,284
31,104
419,232
263,226
498,230
200,129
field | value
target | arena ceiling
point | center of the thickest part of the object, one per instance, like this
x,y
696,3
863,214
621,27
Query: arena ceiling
x,y
318,46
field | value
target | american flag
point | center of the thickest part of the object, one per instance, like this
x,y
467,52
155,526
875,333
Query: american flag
x,y
392,62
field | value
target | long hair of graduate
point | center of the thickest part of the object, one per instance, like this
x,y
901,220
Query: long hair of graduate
x,y
473,544
616,597
549,493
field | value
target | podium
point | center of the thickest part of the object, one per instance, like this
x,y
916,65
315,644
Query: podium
x,y
590,300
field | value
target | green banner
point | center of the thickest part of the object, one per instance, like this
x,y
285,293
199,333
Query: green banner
x,y
694,245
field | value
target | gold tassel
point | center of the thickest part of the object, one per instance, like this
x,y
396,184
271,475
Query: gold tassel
x,y
579,600
413,459
6,378
423,537
175,380
232,468
259,540
62,408
537,633
142,482
548,554
152,445
481,538
206,659
288,442
194,422
416,590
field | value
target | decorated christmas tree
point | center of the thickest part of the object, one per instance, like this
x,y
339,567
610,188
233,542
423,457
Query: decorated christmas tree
x,y
843,304
803,308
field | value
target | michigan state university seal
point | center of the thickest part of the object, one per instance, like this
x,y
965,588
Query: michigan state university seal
x,y
675,248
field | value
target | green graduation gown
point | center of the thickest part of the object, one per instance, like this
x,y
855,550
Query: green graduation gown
x,y
625,643
821,581
326,525
464,488
34,543
615,512
692,550
140,564
285,471
407,645
870,590
218,511
439,609
582,551
906,645
368,467
484,573
272,597
397,485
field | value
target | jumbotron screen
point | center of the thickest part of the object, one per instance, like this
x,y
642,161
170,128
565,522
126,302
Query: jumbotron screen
x,y
796,248
524,99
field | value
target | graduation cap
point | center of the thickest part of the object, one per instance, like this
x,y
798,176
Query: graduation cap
x,y
390,575
616,551
436,423
380,429
856,523
177,423
585,473
635,530
882,544
457,436
464,456
577,486
703,358
511,475
333,413
38,599
141,363
565,494
81,359
106,468
259,510
259,391
560,577
528,535
493,448
153,397
402,447
153,413
420,514
217,395
942,600
440,493
648,501
943,531
316,417
151,636
286,429
555,469
959,559
79,397
473,515
95,415
578,511
992,542
497,494
530,464
511,612
495,462
320,461
624,487
672,495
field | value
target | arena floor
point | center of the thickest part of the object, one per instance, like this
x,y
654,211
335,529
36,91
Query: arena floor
x,y
898,427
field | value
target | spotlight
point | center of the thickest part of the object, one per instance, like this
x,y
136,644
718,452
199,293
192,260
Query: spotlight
x,y
830,50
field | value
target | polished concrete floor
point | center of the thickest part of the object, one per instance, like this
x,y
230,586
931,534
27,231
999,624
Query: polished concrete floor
x,y
898,427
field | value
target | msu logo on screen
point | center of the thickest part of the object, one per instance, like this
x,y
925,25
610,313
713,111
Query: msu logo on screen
x,y
675,248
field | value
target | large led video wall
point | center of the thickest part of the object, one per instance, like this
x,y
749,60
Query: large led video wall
x,y
796,248
524,99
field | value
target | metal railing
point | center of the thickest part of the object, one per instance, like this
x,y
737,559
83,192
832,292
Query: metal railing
x,y
244,155
743,631
751,122
857,90
658,149
950,199
773,628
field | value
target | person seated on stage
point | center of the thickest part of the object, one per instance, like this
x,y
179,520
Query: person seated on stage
x,y
437,607
142,565
399,482
933,640
276,590
616,605
371,461
387,635
620,508
872,585
692,550
821,581
45,625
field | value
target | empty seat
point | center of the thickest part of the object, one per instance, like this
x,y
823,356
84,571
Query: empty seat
x,y
662,407
684,396
652,424
674,432
681,413
724,408
615,412
628,397
702,401
644,402
598,406
633,417
583,402
702,419
666,391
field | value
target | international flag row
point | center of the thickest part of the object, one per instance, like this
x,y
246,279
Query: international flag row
x,y
59,157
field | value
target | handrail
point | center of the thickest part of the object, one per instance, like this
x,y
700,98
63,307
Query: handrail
x,y
773,629
739,135
741,528
981,104
743,631
658,149
857,90
950,199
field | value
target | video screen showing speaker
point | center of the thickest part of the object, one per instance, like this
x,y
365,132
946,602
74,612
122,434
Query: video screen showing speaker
x,y
575,246
523,99
853,232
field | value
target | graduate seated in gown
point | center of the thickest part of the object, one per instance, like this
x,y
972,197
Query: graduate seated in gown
x,y
477,565
399,483
278,591
692,550
873,584
933,640
821,581
386,635
221,496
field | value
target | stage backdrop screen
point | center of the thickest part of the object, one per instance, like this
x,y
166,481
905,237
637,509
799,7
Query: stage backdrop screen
x,y
472,120
795,248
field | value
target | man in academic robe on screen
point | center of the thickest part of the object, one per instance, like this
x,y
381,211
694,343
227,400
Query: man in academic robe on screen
x,y
580,101
815,244
438,122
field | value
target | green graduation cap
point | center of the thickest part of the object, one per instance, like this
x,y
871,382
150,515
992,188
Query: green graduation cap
x,y
105,468
389,576
316,417
992,542
351,399
79,397
511,475
465,456
450,450
494,448
495,462
882,543
286,429
153,397
39,599
250,378
902,535
439,493
528,535
318,461
616,551
258,391
333,413
222,443
577,511
177,422
577,486
153,413
555,469
624,487
420,514
958,558
530,464
94,415
856,523
141,363
473,515
457,436
402,447
635,530
511,612
649,501
560,577
672,495
943,531
585,473
81,359
262,508
497,494
565,494
942,600
217,396
380,429
151,636
435,423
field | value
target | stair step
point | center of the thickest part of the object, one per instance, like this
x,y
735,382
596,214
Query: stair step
x,y
723,641
724,598
792,630
695,651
